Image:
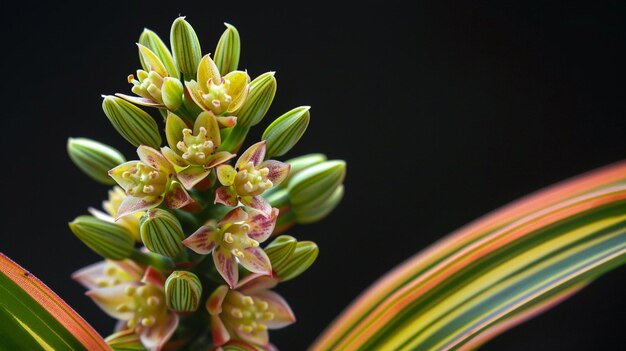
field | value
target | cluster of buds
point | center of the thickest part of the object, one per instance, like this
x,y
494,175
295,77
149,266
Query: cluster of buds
x,y
190,231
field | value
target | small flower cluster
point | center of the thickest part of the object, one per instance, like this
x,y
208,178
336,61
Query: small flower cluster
x,y
199,196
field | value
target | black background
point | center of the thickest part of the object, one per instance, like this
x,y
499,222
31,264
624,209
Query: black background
x,y
443,113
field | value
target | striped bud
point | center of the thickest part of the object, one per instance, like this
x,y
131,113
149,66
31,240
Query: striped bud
x,y
185,47
153,42
172,93
133,123
289,257
285,131
301,163
228,50
94,158
262,91
107,239
183,291
161,232
314,185
125,340
317,212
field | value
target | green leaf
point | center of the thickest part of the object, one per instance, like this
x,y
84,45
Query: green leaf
x,y
32,317
494,273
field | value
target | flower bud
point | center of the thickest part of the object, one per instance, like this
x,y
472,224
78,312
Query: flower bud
x,y
316,212
315,184
183,291
161,232
172,93
153,42
185,47
228,50
108,240
134,124
262,91
301,163
285,131
291,258
94,158
126,339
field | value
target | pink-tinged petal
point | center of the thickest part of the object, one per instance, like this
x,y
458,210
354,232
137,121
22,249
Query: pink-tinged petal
x,y
254,154
214,302
195,92
257,203
155,337
226,122
218,331
208,121
226,266
207,70
177,196
117,174
92,275
239,89
254,282
261,225
140,101
236,215
255,260
192,176
219,158
226,196
283,316
100,215
154,159
256,337
109,298
174,158
174,126
202,241
226,174
278,170
132,204
154,277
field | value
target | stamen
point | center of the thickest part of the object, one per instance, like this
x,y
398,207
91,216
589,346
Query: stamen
x,y
148,189
262,305
235,312
247,301
248,187
152,301
130,290
268,316
181,146
122,308
228,237
245,328
148,322
216,103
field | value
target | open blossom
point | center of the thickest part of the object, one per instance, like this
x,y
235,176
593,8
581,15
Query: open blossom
x,y
111,206
235,239
248,311
148,182
136,297
194,152
250,177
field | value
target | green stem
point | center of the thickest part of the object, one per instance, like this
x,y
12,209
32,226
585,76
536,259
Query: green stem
x,y
150,259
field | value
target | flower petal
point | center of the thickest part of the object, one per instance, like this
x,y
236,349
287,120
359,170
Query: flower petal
x,y
192,175
254,282
236,215
214,302
154,277
226,122
256,337
110,298
218,330
226,266
132,204
254,154
207,70
100,215
174,126
155,337
202,241
117,174
255,260
208,121
226,196
283,315
152,60
177,196
107,270
239,89
261,225
226,174
278,170
175,159
219,158
154,159
195,92
90,276
257,203
140,101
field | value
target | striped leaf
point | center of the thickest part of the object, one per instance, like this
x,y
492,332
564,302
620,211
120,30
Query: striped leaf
x,y
286,130
32,317
133,123
161,232
228,50
494,273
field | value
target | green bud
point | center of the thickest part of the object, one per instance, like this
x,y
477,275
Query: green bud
x,y
133,123
301,163
277,197
125,340
172,93
228,50
94,158
107,239
161,232
286,130
262,91
315,184
291,258
317,212
183,291
152,41
186,47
